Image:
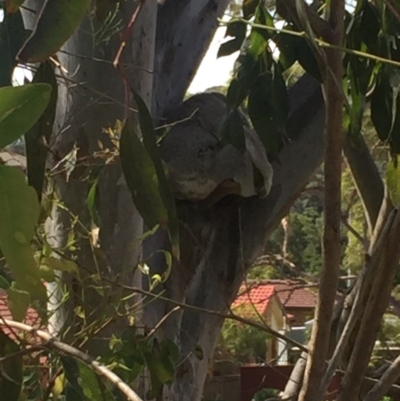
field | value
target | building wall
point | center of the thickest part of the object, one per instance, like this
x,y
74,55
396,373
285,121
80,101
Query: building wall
x,y
276,320
300,315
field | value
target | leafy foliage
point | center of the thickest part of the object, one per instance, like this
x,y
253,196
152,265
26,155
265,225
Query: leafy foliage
x,y
20,108
243,343
57,22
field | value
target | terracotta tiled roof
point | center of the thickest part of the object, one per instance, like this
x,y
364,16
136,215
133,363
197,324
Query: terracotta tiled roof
x,y
293,294
32,317
258,295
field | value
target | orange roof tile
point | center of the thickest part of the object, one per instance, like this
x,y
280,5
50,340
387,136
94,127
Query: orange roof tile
x,y
294,294
259,296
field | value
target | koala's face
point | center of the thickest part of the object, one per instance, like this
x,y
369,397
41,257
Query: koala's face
x,y
196,159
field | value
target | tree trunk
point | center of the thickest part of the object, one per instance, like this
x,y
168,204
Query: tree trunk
x,y
222,243
218,245
91,99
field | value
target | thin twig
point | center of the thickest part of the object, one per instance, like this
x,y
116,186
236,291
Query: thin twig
x,y
230,315
321,42
127,33
385,383
157,326
51,342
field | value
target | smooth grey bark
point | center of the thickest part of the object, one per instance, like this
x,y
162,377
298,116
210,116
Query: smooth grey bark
x,y
91,98
184,32
220,244
366,176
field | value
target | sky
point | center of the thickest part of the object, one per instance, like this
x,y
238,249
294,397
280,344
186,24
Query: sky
x,y
213,71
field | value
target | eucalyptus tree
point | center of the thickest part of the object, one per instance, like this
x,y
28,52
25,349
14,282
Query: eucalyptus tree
x,y
110,60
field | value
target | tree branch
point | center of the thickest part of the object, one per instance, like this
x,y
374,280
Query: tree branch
x,y
366,176
375,307
372,264
177,55
385,383
320,336
51,342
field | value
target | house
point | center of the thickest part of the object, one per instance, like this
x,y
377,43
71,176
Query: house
x,y
261,302
298,299
286,306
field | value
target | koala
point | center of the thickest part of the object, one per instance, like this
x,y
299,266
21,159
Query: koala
x,y
199,163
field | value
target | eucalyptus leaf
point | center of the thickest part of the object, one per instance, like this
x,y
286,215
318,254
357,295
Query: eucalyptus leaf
x,y
20,108
19,212
57,22
141,178
37,139
18,301
237,30
165,191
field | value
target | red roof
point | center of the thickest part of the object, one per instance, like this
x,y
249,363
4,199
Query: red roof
x,y
293,294
259,296
32,317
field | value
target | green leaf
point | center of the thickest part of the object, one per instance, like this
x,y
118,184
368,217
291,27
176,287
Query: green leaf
x,y
237,30
12,6
46,273
393,180
92,387
150,143
20,108
158,369
259,37
57,22
169,352
385,111
37,139
381,115
11,369
12,36
62,265
233,132
293,49
91,201
268,110
18,301
19,211
370,27
4,282
141,178
246,73
73,388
